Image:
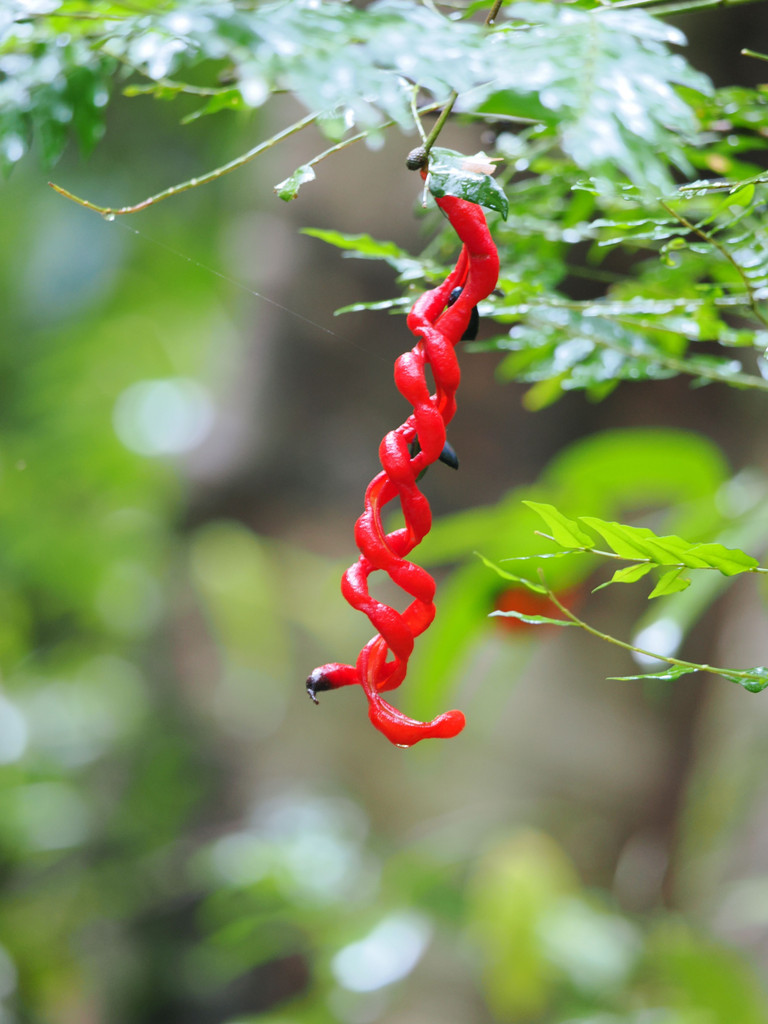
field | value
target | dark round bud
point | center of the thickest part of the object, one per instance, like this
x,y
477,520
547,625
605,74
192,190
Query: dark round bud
x,y
316,683
416,159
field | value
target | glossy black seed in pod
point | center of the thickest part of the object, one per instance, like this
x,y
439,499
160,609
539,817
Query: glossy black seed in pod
x,y
474,317
447,455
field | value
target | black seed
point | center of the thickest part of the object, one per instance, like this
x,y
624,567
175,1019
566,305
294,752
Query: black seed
x,y
449,457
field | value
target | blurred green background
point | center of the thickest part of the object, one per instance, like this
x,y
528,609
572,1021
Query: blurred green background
x,y
185,436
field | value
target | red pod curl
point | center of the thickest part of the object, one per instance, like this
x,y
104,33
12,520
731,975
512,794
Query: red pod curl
x,y
438,319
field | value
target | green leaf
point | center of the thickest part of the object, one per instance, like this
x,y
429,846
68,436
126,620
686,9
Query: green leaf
x,y
359,307
623,67
289,188
666,674
629,574
511,103
154,89
449,176
670,583
753,679
547,554
537,588
361,245
706,979
729,561
564,530
559,348
604,82
543,393
640,542
623,540
227,99
533,620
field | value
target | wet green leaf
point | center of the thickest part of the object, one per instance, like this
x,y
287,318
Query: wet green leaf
x,y
289,188
666,675
755,680
450,175
227,99
358,307
533,620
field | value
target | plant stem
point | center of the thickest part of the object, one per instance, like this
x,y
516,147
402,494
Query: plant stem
x,y
356,138
635,561
446,111
689,191
415,114
725,253
693,666
438,125
493,12
174,190
240,161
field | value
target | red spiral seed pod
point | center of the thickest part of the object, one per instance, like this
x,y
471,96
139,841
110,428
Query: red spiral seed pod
x,y
438,326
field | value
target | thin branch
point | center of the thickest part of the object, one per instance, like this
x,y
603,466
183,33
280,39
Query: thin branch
x,y
415,114
357,138
174,190
635,561
492,14
718,185
446,111
755,54
725,253
113,211
692,666
428,109
438,125
156,84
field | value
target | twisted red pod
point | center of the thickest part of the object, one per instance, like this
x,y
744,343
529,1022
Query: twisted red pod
x,y
438,326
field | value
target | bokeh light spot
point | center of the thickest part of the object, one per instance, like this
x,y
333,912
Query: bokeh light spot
x,y
13,732
385,955
163,417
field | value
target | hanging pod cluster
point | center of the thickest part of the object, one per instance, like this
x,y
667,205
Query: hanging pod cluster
x,y
438,319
